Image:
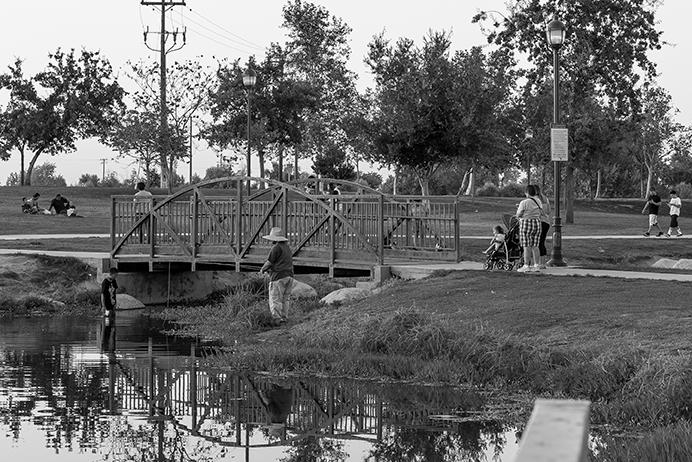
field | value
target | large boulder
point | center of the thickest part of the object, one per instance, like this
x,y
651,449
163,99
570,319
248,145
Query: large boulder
x,y
128,302
683,263
347,294
665,263
303,290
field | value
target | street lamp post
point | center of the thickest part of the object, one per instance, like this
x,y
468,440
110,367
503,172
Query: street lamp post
x,y
249,81
556,37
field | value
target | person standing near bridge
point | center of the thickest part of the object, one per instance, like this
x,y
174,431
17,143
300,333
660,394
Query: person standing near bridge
x,y
279,266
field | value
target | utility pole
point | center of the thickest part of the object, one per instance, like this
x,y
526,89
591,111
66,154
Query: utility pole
x,y
163,50
103,169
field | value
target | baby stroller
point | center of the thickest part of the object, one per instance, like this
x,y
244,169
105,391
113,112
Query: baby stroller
x,y
509,256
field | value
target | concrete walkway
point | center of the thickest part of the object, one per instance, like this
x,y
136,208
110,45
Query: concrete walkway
x,y
417,270
420,271
16,237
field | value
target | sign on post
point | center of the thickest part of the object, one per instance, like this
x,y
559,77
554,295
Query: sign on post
x,y
559,143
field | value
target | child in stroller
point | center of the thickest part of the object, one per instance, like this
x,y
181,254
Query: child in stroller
x,y
507,256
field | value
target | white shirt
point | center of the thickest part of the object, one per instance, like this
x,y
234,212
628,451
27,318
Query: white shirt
x,y
675,204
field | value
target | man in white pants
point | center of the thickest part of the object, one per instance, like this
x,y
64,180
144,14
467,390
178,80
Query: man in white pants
x,y
279,265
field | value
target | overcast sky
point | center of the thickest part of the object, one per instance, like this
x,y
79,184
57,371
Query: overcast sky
x,y
224,28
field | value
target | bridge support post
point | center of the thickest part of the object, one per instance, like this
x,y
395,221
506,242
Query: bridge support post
x,y
193,389
332,238
193,231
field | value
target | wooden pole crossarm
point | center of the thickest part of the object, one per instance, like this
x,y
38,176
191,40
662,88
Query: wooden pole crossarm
x,y
258,231
172,233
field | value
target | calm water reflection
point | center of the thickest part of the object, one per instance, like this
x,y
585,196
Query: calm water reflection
x,y
82,390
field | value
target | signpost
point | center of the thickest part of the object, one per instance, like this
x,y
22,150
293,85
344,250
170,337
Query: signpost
x,y
559,143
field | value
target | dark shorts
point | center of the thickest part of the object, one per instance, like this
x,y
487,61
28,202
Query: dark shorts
x,y
673,221
544,233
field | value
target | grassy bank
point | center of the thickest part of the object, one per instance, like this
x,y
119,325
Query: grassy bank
x,y
622,344
32,285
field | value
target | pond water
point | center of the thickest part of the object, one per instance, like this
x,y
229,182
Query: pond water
x,y
88,390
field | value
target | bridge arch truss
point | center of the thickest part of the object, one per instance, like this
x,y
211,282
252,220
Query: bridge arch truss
x,y
215,224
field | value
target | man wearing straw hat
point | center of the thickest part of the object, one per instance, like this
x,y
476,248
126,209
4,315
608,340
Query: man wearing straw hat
x,y
279,265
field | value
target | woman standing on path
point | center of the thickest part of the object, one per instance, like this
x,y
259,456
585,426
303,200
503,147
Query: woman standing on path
x,y
545,226
529,214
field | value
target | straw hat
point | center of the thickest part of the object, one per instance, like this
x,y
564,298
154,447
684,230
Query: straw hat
x,y
275,235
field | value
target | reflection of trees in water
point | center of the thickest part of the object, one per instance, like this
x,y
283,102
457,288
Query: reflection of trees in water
x,y
466,441
75,398
314,449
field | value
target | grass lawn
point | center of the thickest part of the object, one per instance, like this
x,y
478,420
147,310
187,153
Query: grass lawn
x,y
622,344
478,216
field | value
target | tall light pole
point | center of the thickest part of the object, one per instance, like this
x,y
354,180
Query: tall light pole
x,y
556,37
249,81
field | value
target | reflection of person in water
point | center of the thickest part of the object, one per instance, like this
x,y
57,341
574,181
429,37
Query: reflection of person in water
x,y
277,401
108,335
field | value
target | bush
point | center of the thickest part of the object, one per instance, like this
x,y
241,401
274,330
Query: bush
x,y
684,190
512,190
488,189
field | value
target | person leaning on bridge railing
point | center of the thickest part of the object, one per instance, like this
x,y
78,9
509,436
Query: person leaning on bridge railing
x,y
279,266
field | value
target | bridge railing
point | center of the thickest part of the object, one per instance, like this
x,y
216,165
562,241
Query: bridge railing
x,y
218,225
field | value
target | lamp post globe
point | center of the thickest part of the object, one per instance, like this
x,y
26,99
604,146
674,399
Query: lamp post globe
x,y
249,82
555,34
249,78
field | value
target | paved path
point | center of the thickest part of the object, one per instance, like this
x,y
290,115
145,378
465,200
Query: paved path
x,y
13,237
57,253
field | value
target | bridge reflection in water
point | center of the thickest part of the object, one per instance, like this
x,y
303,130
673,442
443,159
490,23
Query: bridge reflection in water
x,y
140,404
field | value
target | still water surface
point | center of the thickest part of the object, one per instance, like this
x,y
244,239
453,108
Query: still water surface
x,y
81,390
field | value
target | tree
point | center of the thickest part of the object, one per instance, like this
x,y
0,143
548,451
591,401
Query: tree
x,y
430,109
187,91
657,129
679,167
89,180
75,97
333,164
604,57
44,175
13,180
135,135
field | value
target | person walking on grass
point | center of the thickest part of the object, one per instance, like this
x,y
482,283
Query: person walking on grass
x,y
279,266
651,207
529,215
675,204
108,298
545,226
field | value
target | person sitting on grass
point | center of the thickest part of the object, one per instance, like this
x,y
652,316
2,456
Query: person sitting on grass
x,y
33,206
60,204
108,298
279,266
26,205
498,240
651,207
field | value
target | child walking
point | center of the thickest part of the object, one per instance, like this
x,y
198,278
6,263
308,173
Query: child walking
x,y
279,266
675,204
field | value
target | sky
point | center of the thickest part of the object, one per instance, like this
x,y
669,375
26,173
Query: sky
x,y
235,29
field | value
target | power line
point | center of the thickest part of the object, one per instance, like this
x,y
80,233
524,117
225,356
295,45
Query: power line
x,y
226,30
217,41
225,37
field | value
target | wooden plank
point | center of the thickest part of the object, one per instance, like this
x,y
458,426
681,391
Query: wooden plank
x,y
557,430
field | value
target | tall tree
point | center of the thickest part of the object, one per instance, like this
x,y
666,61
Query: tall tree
x,y
188,85
604,57
75,97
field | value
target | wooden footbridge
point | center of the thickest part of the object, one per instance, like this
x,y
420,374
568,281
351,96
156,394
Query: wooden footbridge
x,y
216,225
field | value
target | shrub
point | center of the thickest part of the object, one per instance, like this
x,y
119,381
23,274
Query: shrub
x,y
684,190
512,190
488,189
